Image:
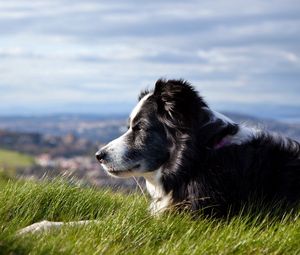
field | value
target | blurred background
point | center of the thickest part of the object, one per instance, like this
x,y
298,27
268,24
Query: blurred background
x,y
70,72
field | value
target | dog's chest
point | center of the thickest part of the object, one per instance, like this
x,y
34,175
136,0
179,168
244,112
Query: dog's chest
x,y
160,200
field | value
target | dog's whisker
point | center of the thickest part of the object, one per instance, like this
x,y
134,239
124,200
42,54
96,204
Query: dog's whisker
x,y
140,187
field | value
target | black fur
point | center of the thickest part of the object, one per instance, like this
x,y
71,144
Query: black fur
x,y
212,180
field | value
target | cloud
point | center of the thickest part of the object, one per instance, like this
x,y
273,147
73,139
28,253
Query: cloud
x,y
82,52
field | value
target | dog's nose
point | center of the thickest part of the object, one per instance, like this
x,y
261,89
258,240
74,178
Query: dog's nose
x,y
100,156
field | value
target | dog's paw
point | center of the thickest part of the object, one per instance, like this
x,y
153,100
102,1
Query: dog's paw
x,y
39,226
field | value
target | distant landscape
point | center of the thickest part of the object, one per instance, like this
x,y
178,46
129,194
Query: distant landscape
x,y
65,144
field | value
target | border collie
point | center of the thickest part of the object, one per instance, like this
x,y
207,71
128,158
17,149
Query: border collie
x,y
196,159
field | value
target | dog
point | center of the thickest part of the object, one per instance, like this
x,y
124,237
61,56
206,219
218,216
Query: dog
x,y
196,159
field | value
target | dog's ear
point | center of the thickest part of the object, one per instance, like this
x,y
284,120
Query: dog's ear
x,y
181,108
177,102
143,94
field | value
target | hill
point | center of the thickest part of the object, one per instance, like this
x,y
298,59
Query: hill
x,y
14,159
124,225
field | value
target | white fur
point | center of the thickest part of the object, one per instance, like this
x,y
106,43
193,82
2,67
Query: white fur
x,y
138,108
118,147
219,115
160,200
243,135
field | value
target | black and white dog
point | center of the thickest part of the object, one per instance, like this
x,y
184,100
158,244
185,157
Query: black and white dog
x,y
198,159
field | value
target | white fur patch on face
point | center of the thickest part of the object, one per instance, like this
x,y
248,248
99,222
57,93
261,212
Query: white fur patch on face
x,y
118,146
138,107
118,166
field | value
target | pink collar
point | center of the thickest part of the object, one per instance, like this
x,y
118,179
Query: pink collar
x,y
222,143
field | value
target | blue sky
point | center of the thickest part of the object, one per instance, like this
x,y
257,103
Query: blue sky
x,y
95,56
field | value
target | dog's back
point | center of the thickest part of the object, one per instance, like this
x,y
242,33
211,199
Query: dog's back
x,y
265,169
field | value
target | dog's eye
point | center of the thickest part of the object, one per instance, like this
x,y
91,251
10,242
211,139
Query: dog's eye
x,y
136,127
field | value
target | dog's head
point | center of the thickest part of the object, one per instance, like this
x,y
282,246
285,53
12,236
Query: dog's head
x,y
161,117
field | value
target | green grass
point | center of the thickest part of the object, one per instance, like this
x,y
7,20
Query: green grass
x,y
124,225
12,159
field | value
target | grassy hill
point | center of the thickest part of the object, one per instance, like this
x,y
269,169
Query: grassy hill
x,y
124,225
13,159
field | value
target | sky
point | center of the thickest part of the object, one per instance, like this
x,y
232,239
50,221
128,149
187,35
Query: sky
x,y
59,56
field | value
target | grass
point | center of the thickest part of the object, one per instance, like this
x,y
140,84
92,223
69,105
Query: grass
x,y
124,225
12,159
